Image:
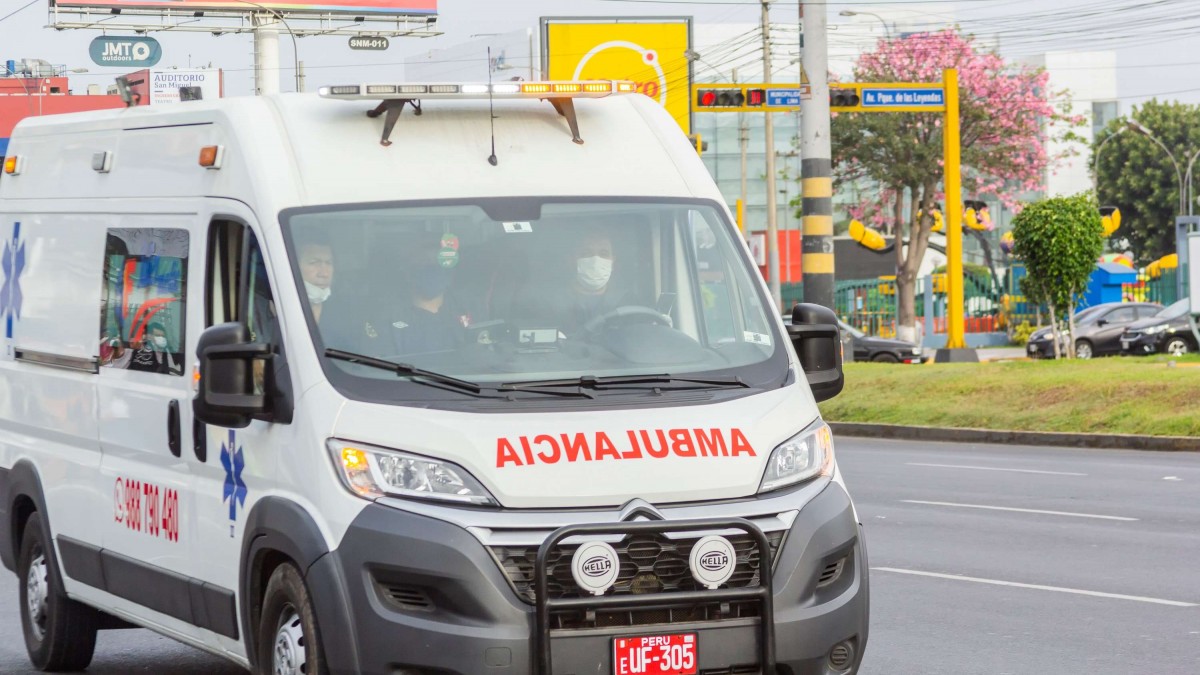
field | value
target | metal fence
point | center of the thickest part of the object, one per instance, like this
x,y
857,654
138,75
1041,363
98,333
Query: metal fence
x,y
870,304
1161,288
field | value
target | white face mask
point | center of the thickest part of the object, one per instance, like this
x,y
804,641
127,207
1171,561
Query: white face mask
x,y
316,294
593,272
159,341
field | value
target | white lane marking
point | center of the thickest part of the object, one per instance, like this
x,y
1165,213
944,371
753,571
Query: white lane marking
x,y
993,468
1038,587
1172,478
1016,510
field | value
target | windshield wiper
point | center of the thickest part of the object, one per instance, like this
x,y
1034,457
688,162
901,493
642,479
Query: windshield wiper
x,y
617,381
405,369
431,377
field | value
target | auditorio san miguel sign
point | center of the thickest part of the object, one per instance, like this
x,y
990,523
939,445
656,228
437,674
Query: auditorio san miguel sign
x,y
114,50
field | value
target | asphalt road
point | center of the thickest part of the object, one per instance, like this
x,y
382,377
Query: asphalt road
x,y
986,560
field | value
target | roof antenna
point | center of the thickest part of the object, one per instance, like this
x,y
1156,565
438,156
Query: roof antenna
x,y
491,110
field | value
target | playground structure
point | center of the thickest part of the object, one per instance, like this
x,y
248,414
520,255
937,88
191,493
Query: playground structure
x,y
993,302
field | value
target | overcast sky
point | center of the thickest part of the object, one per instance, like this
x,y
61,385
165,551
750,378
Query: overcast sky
x,y
1153,39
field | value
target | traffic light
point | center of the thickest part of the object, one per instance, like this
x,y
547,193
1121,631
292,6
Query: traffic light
x,y
843,98
699,143
720,98
756,97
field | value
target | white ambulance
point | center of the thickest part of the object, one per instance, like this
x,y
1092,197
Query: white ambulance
x,y
412,379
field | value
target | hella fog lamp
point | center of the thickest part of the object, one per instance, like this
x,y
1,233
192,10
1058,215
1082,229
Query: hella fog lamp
x,y
372,472
802,457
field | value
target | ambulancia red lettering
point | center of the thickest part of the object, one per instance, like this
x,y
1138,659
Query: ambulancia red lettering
x,y
656,452
552,442
605,447
635,450
528,451
575,446
681,443
737,441
636,444
505,453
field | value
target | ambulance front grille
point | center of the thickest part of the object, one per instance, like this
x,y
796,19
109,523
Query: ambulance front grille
x,y
649,563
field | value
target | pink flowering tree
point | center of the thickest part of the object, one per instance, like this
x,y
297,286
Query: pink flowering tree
x,y
1006,112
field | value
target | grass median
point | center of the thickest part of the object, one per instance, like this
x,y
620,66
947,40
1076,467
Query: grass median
x,y
1149,396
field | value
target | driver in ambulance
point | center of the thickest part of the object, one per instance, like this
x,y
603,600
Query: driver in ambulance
x,y
592,291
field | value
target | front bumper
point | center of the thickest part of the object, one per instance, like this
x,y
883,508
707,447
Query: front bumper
x,y
1142,344
1041,349
426,597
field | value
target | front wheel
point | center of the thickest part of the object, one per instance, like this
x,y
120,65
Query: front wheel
x,y
60,634
288,641
1176,346
1083,349
885,357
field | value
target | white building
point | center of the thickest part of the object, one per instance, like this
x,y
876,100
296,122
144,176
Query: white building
x,y
1090,78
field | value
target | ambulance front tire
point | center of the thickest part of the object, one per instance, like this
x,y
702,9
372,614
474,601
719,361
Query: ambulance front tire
x,y
288,640
60,634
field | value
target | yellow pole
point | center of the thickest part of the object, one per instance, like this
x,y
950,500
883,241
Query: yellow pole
x,y
955,338
741,216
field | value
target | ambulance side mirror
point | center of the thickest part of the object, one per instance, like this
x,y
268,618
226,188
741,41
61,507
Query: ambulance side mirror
x,y
814,334
227,395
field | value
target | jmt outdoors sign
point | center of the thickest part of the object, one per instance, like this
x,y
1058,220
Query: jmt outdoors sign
x,y
142,52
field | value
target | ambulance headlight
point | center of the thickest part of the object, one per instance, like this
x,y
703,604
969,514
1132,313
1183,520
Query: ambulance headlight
x,y
802,457
372,472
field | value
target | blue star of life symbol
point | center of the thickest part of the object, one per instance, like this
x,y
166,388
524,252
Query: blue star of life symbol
x,y
235,488
13,264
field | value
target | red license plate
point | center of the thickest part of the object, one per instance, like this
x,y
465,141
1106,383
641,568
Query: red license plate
x,y
655,655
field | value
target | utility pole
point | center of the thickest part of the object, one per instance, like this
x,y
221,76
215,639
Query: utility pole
x,y
816,164
266,54
769,128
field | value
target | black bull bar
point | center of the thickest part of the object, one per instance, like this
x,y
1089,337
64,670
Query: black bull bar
x,y
661,600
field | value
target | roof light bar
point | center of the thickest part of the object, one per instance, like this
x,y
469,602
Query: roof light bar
x,y
469,90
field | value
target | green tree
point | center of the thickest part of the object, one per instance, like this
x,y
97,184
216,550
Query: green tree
x,y
1135,175
1006,117
1059,239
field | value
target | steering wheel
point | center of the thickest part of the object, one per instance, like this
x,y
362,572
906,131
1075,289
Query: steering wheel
x,y
627,311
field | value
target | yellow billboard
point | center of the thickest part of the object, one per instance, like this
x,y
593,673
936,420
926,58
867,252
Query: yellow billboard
x,y
648,51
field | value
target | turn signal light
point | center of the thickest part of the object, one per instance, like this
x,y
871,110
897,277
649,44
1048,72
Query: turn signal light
x,y
210,156
12,165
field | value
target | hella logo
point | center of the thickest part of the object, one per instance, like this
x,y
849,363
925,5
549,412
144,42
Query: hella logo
x,y
714,561
597,566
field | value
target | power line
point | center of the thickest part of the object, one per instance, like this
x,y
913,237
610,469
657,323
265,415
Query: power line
x,y
19,9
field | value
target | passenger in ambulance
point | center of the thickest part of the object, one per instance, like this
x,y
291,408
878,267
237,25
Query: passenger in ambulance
x,y
113,353
154,356
429,318
329,310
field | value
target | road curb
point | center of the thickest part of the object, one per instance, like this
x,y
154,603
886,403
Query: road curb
x,y
1101,441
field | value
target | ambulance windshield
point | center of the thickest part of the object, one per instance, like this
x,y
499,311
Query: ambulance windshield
x,y
520,290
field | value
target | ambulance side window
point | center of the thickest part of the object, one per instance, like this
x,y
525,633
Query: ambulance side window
x,y
235,264
144,300
238,287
